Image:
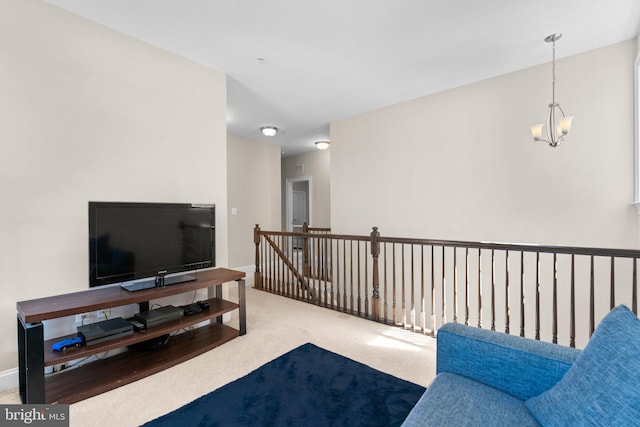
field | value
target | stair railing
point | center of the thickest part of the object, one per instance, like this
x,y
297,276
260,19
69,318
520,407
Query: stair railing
x,y
550,293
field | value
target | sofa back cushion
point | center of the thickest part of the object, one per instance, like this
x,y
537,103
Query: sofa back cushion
x,y
519,366
603,385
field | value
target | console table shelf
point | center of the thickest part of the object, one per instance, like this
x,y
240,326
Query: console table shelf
x,y
97,377
218,308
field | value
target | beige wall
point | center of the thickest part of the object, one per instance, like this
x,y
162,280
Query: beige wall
x,y
253,171
89,114
317,164
461,164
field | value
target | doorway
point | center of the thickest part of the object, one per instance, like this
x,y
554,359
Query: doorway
x,y
298,204
300,210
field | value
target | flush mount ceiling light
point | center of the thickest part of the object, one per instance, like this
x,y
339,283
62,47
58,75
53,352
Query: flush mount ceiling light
x,y
557,130
269,130
322,145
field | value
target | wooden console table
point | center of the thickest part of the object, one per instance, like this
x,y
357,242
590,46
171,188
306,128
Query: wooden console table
x,y
79,383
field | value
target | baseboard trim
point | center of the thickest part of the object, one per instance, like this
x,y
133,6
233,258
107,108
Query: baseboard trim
x,y
249,269
246,268
9,379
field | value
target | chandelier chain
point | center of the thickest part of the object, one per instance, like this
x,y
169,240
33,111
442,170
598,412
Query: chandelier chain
x,y
553,72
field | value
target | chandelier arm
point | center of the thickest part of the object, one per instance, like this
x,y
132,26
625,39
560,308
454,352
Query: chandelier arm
x,y
551,119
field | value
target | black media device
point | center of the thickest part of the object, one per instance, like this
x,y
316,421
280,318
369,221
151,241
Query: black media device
x,y
191,309
161,315
137,326
142,245
107,330
156,343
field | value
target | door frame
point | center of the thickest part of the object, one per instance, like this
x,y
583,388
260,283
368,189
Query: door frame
x,y
289,199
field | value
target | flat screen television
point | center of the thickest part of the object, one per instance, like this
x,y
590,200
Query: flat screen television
x,y
138,244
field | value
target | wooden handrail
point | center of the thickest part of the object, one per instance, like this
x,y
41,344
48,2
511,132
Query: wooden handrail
x,y
519,247
302,281
324,236
515,247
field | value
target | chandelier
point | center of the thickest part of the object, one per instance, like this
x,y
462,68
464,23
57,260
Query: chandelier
x,y
558,126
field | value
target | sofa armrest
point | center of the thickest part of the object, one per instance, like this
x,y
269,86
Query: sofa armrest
x,y
519,366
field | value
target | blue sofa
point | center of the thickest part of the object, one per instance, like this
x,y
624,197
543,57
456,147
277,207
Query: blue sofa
x,y
487,378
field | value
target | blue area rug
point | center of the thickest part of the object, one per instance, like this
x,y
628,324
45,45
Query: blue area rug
x,y
308,386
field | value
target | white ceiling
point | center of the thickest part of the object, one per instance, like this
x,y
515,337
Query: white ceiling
x,y
325,60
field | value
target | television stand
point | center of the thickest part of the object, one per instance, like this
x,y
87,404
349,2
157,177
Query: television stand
x,y
140,285
73,385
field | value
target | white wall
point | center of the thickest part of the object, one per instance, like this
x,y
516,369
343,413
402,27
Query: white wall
x,y
253,171
461,164
316,164
90,114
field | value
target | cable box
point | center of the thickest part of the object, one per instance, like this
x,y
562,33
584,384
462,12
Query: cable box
x,y
190,309
161,315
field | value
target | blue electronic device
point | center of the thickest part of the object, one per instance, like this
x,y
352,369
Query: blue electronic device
x,y
65,344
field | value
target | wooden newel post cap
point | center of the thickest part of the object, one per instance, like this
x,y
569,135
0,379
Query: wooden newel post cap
x,y
375,244
256,234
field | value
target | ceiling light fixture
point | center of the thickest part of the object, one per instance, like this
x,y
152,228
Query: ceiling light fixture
x,y
269,130
322,145
558,130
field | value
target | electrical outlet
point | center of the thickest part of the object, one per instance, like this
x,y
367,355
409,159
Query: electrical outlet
x,y
81,319
103,314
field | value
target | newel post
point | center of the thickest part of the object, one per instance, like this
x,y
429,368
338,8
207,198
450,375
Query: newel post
x,y
257,277
375,251
305,250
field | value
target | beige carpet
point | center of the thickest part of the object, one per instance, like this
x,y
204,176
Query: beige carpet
x,y
275,325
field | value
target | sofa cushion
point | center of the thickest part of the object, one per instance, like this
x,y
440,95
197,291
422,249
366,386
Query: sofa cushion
x,y
453,400
519,366
603,385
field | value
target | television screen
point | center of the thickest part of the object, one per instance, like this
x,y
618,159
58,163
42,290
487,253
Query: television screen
x,y
129,241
